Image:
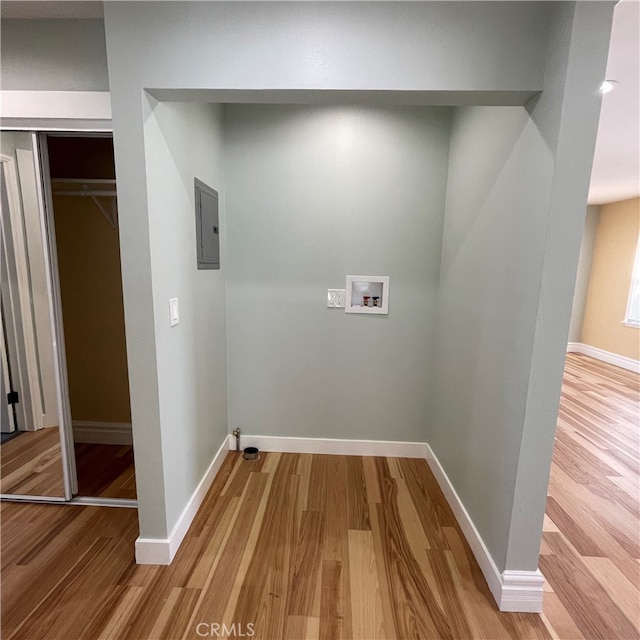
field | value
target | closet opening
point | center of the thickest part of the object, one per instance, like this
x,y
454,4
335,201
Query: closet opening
x,y
84,215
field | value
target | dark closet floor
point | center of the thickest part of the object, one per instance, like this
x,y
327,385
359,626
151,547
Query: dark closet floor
x,y
105,470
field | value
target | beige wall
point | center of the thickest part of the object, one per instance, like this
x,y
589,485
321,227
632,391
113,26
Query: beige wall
x,y
613,257
584,273
91,287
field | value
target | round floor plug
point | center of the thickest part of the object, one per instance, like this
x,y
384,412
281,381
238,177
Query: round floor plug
x,y
251,453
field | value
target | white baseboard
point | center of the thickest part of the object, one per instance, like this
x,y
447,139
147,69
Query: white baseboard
x,y
480,551
333,446
163,550
102,432
522,591
606,356
519,591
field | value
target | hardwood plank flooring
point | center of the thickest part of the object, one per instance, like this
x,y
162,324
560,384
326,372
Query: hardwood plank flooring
x,y
589,554
333,563
31,464
105,470
310,547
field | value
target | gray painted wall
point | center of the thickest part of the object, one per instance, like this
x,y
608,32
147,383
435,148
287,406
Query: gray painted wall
x,y
410,46
182,141
584,272
576,64
493,246
499,391
516,197
62,55
490,47
314,194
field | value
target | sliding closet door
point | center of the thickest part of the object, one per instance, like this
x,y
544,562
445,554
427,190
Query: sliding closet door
x,y
35,459
66,429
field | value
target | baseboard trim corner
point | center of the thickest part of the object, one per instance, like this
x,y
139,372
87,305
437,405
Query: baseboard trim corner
x,y
163,550
472,535
605,356
153,551
522,591
514,591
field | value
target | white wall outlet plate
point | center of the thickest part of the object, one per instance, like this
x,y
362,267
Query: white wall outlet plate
x,y
336,298
174,313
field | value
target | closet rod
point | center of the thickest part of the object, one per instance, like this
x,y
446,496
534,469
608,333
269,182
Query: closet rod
x,y
90,193
85,180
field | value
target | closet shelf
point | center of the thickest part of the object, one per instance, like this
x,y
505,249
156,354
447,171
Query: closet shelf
x,y
93,189
81,187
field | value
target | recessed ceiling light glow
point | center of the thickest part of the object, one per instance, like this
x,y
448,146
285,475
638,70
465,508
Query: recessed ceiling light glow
x,y
607,86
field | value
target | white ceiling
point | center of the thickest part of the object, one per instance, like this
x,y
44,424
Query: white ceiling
x,y
616,165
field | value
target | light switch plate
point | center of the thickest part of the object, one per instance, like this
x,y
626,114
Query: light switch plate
x,y
174,313
336,298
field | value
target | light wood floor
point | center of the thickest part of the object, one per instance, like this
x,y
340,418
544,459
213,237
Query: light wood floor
x,y
301,546
337,547
31,464
590,547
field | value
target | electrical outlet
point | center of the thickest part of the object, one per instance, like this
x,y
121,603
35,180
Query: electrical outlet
x,y
336,298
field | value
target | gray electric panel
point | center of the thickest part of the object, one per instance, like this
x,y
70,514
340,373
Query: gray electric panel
x,y
207,229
